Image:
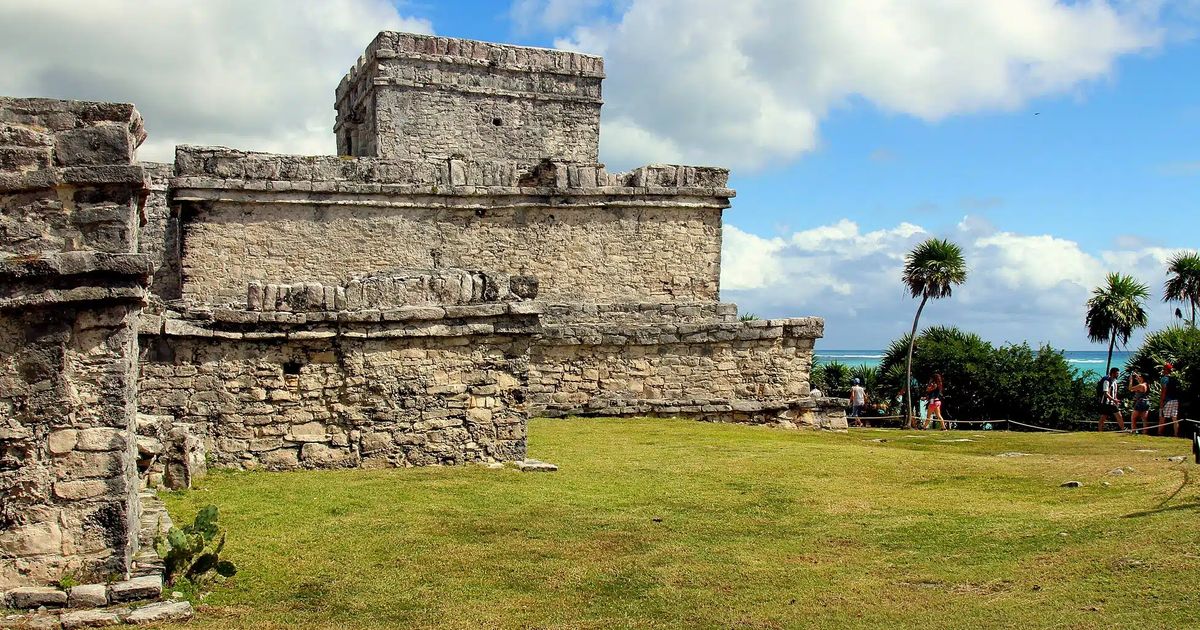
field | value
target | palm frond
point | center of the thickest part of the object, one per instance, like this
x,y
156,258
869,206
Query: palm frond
x,y
1116,309
933,268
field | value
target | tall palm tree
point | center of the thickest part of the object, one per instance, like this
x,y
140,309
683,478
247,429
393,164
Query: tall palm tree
x,y
1183,281
1115,310
931,270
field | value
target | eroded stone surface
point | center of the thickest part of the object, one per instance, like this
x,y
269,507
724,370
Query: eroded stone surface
x,y
88,596
145,587
161,612
88,619
35,596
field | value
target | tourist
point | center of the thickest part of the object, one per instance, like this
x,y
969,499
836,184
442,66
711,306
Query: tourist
x,y
858,398
934,391
1168,400
1141,401
1110,404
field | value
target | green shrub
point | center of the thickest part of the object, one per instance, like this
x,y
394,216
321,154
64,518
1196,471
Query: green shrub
x,y
983,382
1179,346
193,551
833,378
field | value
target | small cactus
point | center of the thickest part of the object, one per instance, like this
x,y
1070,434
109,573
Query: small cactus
x,y
194,550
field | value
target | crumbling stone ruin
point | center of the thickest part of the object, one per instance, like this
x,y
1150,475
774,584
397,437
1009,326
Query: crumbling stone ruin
x,y
463,264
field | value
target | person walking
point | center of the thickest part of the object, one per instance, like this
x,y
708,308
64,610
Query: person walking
x,y
934,392
858,399
1141,401
1110,404
1168,400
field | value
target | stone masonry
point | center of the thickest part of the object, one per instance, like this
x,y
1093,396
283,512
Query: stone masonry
x,y
462,264
415,96
71,289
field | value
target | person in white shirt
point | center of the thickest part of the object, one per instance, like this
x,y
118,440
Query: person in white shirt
x,y
858,399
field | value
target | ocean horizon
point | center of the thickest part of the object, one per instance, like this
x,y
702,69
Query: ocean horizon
x,y
1085,360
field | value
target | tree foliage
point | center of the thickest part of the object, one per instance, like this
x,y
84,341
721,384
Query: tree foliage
x,y
1115,310
1183,281
1179,346
931,270
983,382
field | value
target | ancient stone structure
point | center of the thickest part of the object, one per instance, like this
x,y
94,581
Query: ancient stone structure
x,y
71,289
463,264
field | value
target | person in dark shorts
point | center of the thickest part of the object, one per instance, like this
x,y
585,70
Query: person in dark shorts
x,y
1110,404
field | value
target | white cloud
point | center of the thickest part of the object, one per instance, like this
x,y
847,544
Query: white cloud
x,y
530,15
745,83
256,75
749,261
1021,286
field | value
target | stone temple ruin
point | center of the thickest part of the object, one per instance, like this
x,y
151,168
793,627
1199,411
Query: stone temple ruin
x,y
463,263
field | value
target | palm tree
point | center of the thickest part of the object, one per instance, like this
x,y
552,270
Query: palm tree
x,y
930,271
1183,282
1115,310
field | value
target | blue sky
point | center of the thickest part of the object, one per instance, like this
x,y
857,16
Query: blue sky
x,y
1054,140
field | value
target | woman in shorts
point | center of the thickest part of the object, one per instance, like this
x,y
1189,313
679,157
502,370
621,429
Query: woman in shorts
x,y
934,393
1141,400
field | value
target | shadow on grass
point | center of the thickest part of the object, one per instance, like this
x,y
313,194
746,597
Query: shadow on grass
x,y
1170,508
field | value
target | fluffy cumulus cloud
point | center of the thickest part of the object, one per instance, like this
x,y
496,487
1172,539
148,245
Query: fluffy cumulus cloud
x,y
746,83
1021,286
255,75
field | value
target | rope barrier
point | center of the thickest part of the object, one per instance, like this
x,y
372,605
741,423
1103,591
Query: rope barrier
x,y
1032,426
1165,424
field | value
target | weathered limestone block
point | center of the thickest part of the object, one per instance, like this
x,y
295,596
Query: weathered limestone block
x,y
88,596
161,612
88,619
145,587
35,596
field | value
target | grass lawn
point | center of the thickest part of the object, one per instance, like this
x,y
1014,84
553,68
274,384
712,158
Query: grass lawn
x,y
673,523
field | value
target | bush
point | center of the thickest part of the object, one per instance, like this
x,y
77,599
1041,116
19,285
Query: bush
x,y
983,382
832,378
1179,346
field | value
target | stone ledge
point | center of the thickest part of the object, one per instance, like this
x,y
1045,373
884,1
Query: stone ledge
x,y
200,168
50,264
675,333
633,313
412,322
133,175
52,297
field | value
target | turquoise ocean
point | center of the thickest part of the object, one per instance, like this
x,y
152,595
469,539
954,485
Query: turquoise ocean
x,y
1085,360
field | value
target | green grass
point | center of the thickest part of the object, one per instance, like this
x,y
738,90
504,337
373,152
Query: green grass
x,y
666,523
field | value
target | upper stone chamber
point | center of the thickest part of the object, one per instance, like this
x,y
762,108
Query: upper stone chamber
x,y
418,96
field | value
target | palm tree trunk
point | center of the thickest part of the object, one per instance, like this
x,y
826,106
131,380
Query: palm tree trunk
x,y
1193,313
912,340
1111,340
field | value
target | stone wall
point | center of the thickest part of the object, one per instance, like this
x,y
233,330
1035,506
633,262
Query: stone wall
x,y
394,388
70,293
66,178
414,96
159,238
67,471
651,235
687,369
